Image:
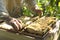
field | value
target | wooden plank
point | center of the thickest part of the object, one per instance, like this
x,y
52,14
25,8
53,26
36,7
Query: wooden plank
x,y
11,36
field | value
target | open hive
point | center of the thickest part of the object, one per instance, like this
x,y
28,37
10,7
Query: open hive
x,y
41,26
36,26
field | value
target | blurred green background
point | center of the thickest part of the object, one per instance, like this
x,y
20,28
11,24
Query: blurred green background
x,y
49,7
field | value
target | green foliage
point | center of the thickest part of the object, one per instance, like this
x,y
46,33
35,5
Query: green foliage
x,y
49,7
26,12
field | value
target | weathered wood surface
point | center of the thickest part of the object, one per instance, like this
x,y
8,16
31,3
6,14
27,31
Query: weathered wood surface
x,y
11,36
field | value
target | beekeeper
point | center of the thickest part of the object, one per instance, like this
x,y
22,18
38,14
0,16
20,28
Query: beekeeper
x,y
9,10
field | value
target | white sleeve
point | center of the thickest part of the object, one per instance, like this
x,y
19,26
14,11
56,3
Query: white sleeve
x,y
56,28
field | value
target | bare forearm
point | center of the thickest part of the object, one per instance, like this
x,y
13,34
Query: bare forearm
x,y
32,6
